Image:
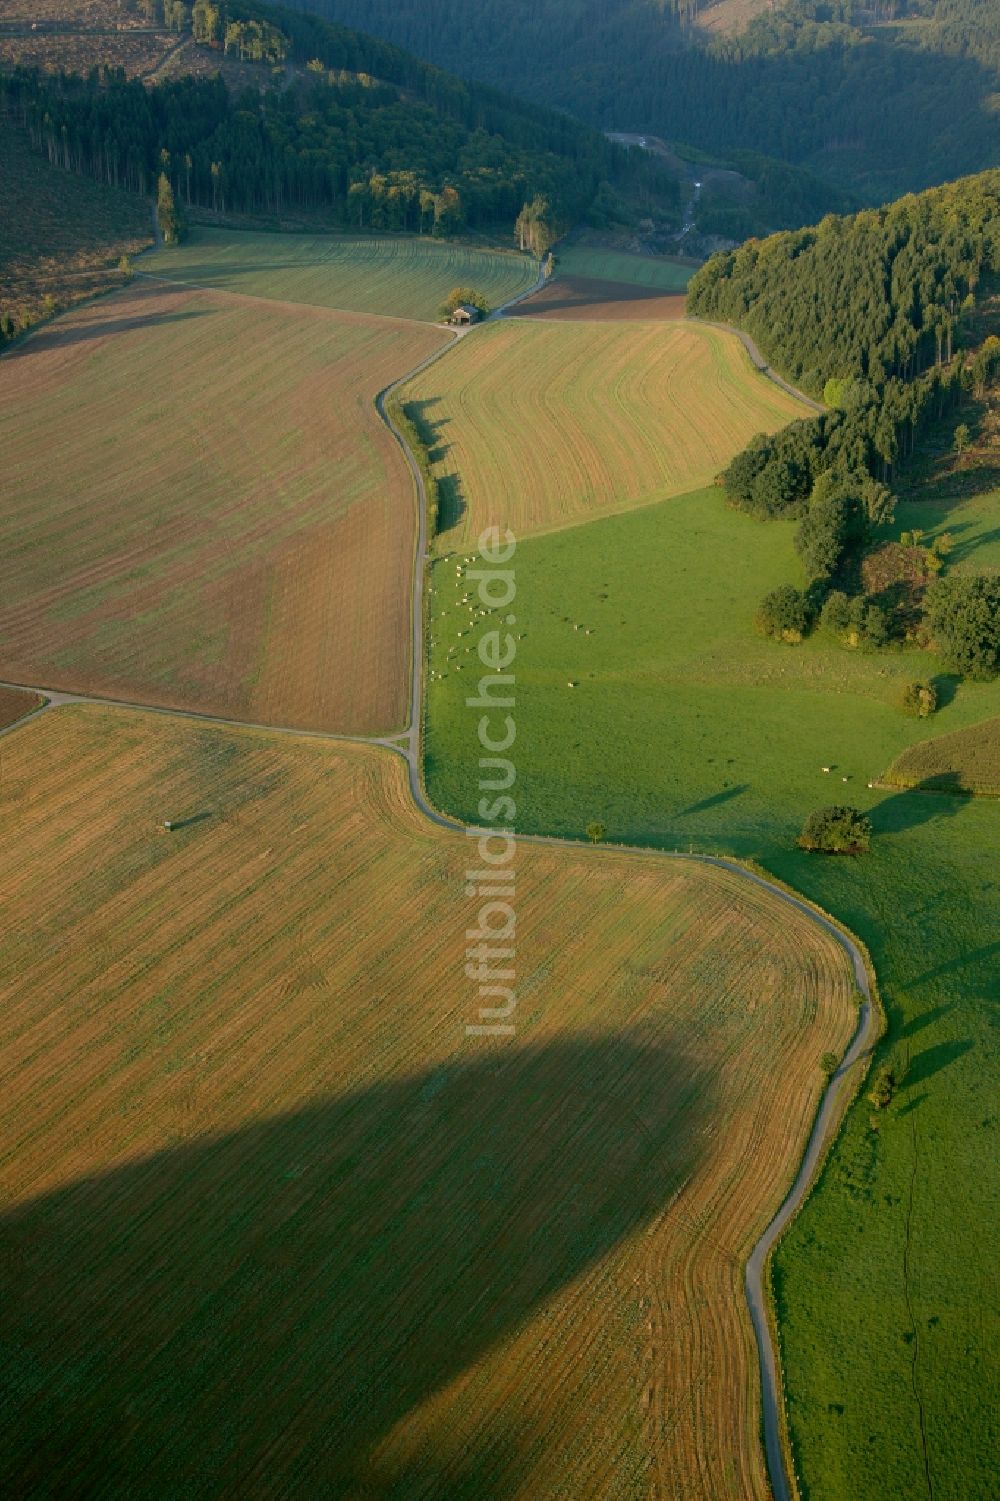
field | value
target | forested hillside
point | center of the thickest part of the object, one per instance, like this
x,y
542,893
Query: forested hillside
x,y
326,120
879,109
877,312
874,297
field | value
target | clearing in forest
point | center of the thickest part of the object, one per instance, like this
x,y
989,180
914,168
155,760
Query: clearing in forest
x,y
405,276
288,1217
205,511
541,424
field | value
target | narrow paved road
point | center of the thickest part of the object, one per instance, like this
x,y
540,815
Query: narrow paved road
x,y
408,745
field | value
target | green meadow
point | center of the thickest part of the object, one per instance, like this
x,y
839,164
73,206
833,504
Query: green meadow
x,y
403,275
685,729
599,264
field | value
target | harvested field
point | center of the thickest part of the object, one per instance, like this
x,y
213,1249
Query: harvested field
x,y
14,705
541,424
402,275
273,1223
967,760
204,511
581,297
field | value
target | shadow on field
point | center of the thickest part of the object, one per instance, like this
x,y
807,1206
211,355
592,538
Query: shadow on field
x,y
715,800
911,809
61,335
932,1060
451,502
978,960
251,1313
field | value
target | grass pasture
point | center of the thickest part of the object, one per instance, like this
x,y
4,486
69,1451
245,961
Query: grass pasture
x,y
967,760
404,276
687,729
205,511
542,424
600,263
271,1221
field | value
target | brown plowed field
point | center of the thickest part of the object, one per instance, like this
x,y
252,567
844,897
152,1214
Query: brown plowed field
x,y
205,511
581,297
272,1224
14,705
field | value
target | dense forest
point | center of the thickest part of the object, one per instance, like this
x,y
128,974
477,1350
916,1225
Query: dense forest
x,y
879,110
873,312
874,297
338,122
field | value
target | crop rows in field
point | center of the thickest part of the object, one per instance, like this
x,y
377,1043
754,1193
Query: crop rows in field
x,y
542,424
405,276
206,512
356,1246
967,760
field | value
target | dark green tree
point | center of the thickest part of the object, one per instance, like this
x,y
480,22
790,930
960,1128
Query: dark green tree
x,y
783,614
837,830
919,700
963,613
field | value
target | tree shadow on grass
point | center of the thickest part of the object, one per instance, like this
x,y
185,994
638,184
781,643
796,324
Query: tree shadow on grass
x,y
933,1059
977,959
714,801
252,1313
945,685
912,1104
912,809
451,502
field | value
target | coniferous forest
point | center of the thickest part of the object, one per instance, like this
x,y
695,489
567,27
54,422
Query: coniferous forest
x,y
334,121
880,109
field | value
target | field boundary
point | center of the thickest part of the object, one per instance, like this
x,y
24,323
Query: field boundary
x,y
758,361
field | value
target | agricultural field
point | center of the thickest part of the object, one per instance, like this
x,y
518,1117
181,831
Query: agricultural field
x,y
967,760
599,263
541,424
14,705
205,511
578,297
237,1078
61,236
685,729
400,275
